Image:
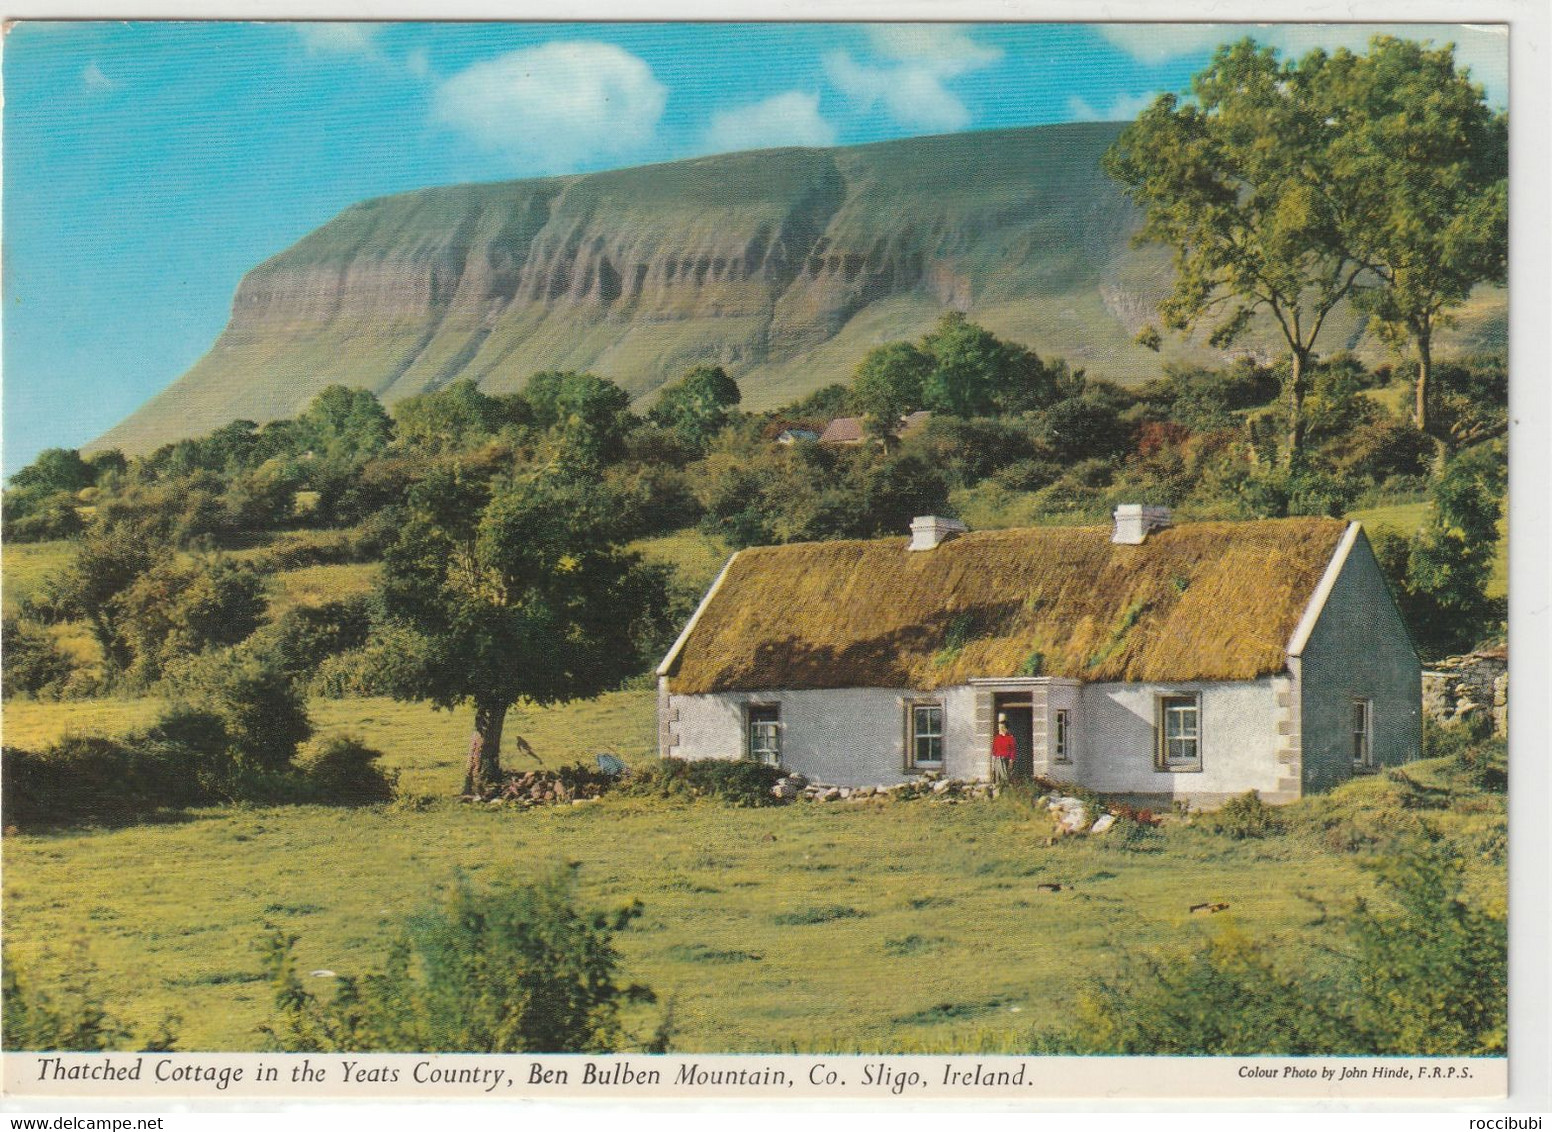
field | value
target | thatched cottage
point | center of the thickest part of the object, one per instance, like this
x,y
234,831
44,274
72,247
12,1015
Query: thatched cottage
x,y
1190,662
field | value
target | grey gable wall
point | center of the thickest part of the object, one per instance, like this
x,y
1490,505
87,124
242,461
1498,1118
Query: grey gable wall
x,y
1359,647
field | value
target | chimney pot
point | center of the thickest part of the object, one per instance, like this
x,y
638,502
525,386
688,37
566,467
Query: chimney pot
x,y
1134,522
929,531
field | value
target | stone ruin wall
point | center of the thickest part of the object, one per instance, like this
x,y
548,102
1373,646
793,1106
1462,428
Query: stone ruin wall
x,y
1461,686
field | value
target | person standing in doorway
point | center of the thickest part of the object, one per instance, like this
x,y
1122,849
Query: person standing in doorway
x,y
1004,751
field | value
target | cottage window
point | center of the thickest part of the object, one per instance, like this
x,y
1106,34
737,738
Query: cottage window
x,y
1363,734
1062,748
926,740
765,734
1180,733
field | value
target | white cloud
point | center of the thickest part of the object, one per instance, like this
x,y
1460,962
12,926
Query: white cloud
x,y
911,88
1485,49
418,63
790,118
358,40
1122,108
555,107
94,80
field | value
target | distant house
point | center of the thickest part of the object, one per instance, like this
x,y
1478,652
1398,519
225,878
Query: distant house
x,y
1165,662
796,436
849,430
843,430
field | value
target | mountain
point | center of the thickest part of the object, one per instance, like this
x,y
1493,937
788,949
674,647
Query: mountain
x,y
785,266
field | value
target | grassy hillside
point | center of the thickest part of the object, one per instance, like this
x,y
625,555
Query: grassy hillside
x,y
903,926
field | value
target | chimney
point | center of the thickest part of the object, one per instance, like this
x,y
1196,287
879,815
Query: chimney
x,y
928,531
1134,522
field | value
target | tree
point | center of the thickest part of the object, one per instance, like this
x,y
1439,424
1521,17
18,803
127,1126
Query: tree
x,y
56,469
890,382
345,423
588,415
697,407
1441,574
447,420
974,373
1240,183
1424,166
516,593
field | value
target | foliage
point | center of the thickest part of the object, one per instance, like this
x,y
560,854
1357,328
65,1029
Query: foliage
x,y
342,769
72,1017
518,970
448,420
33,661
1426,975
1469,400
174,611
1425,166
1244,815
736,782
698,406
974,373
589,416
1241,182
262,711
1440,575
85,778
521,597
345,423
1433,970
890,382
108,560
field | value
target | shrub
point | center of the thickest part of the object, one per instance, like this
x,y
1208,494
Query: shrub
x,y
519,970
737,782
89,778
1244,816
33,662
264,713
343,769
72,1018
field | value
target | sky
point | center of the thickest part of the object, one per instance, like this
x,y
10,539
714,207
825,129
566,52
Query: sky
x,y
147,165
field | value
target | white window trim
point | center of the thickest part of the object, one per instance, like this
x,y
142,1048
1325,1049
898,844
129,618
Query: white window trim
x,y
749,747
911,761
1061,736
1161,705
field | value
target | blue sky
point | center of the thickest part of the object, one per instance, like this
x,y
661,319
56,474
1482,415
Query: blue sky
x,y
148,165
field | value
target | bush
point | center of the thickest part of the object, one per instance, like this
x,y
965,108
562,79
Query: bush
x,y
518,970
263,712
73,1018
89,778
737,782
32,661
342,769
1242,817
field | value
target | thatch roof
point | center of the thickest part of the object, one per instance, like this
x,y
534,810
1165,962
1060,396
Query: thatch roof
x,y
1202,601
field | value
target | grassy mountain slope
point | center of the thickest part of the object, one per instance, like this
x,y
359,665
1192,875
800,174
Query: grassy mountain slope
x,y
785,266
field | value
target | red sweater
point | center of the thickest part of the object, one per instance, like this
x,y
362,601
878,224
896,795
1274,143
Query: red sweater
x,y
1003,747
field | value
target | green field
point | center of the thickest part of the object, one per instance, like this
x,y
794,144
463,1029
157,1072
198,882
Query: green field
x,y
928,930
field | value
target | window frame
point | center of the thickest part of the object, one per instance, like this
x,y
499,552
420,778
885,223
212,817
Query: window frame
x,y
755,753
1362,749
913,734
1165,704
1061,736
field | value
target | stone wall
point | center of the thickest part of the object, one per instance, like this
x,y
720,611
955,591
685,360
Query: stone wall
x,y
1461,686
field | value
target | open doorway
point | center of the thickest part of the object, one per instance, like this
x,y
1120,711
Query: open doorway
x,y
1020,715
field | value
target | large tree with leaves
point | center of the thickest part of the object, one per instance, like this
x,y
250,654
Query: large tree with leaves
x,y
1239,181
513,591
1424,166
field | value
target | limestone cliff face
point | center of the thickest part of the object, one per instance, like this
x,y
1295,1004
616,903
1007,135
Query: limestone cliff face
x,y
783,265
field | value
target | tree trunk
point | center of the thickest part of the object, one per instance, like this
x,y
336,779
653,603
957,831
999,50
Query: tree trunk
x,y
1296,409
484,769
1424,369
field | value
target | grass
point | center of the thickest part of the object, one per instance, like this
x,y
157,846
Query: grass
x,y
27,564
911,926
